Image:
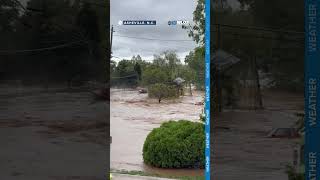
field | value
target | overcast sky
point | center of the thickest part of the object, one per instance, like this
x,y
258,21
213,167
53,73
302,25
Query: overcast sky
x,y
160,10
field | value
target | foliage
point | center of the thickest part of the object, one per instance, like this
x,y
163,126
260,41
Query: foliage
x,y
9,13
275,51
161,91
155,74
168,61
288,14
197,30
292,175
137,69
202,117
195,60
164,69
143,173
124,73
289,52
77,30
175,145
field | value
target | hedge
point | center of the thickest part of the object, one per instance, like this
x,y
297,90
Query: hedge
x,y
175,144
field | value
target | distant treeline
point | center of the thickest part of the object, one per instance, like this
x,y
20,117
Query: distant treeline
x,y
163,69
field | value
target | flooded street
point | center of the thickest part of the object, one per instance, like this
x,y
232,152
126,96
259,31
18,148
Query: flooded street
x,y
43,132
240,146
134,115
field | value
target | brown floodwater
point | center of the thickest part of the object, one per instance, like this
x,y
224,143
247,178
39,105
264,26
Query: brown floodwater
x,y
134,115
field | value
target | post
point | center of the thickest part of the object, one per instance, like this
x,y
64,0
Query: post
x,y
295,159
222,4
111,38
219,91
258,95
218,36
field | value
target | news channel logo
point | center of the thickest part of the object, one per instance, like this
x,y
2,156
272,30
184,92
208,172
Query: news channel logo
x,y
180,22
137,22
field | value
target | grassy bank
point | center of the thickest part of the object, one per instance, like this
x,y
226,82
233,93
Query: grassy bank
x,y
141,173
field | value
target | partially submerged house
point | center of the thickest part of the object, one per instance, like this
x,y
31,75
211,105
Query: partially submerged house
x,y
236,82
179,83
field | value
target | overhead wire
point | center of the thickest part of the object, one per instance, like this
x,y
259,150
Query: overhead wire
x,y
155,39
256,28
40,49
76,39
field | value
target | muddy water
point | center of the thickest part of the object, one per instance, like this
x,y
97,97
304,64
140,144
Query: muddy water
x,y
134,115
242,149
31,150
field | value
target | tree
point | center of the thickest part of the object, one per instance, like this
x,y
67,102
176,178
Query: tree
x,y
154,75
195,61
9,15
198,29
77,30
189,75
136,58
125,74
137,69
172,62
286,14
158,90
113,66
161,91
159,61
288,50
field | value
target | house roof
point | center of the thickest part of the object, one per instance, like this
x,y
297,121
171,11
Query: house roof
x,y
223,60
179,81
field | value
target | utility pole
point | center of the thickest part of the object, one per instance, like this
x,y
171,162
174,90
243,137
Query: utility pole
x,y
219,74
222,4
218,36
111,38
257,78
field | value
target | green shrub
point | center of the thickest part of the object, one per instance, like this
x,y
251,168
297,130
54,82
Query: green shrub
x,y
176,144
162,91
292,175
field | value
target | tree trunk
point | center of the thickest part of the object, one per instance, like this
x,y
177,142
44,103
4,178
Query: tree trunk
x,y
258,90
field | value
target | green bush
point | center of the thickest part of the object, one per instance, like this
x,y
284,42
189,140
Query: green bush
x,y
162,91
176,144
292,175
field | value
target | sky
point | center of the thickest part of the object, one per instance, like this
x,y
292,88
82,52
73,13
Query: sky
x,y
160,10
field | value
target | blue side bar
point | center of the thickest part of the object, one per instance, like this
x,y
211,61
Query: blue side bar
x,y
207,79
312,80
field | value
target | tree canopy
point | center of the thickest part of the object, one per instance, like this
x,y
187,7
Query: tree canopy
x,y
54,40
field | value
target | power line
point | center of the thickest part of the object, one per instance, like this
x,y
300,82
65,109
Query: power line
x,y
116,57
96,4
76,36
40,49
239,35
174,46
53,41
260,29
153,39
19,3
121,77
